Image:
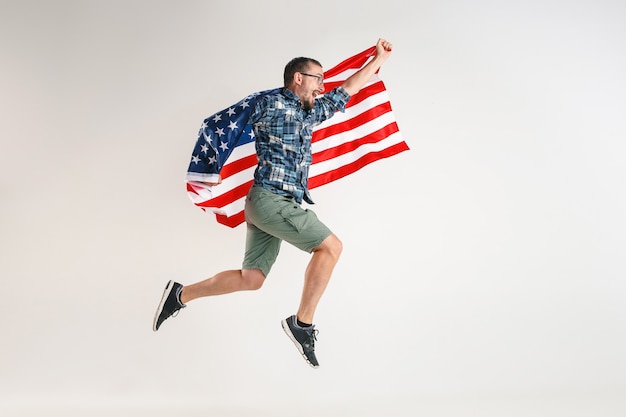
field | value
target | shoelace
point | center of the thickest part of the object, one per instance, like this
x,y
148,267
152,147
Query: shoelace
x,y
180,303
177,310
312,336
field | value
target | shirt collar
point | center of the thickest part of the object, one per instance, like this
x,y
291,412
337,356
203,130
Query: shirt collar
x,y
290,94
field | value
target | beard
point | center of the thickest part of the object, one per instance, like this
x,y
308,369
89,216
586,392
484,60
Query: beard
x,y
308,104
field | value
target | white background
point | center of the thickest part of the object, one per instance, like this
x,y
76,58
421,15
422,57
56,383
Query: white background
x,y
483,272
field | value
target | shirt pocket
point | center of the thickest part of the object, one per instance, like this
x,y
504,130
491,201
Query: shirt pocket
x,y
289,126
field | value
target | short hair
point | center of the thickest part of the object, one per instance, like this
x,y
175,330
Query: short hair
x,y
297,65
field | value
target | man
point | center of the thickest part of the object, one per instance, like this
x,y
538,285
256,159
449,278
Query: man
x,y
283,126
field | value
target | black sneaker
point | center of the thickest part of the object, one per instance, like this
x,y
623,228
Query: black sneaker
x,y
169,305
303,337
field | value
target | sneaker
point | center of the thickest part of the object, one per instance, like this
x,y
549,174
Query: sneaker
x,y
169,305
303,337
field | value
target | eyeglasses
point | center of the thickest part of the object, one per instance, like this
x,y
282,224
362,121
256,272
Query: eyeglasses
x,y
320,79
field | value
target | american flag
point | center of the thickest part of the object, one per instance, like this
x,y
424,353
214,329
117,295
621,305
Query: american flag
x,y
365,132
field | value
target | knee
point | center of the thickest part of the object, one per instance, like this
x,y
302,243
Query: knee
x,y
333,245
338,247
253,279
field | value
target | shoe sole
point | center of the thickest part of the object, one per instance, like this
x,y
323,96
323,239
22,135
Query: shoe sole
x,y
166,293
287,330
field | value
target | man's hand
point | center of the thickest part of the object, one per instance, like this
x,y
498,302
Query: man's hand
x,y
357,80
212,183
383,48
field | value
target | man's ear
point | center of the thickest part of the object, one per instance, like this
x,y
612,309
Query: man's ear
x,y
297,78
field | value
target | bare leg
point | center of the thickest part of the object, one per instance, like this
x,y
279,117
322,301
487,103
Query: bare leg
x,y
223,283
317,275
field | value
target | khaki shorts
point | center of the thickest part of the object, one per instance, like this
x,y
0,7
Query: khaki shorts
x,y
272,218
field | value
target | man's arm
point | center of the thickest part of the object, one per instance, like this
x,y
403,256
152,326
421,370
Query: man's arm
x,y
357,80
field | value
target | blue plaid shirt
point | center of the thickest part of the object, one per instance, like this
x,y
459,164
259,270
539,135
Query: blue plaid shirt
x,y
283,131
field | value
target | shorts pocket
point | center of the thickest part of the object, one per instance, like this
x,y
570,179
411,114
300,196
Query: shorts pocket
x,y
301,219
259,207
